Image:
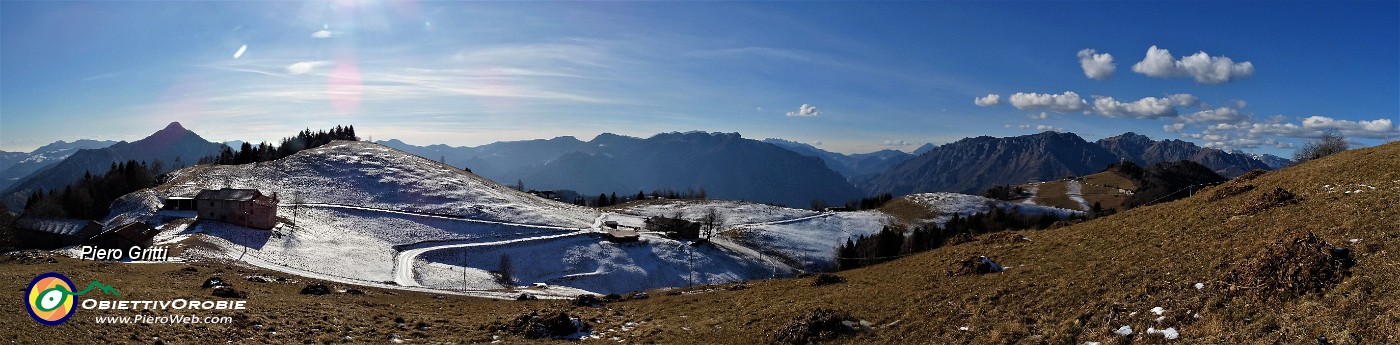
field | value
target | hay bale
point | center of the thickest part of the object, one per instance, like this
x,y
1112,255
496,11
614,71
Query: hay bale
x,y
816,326
1275,198
1286,269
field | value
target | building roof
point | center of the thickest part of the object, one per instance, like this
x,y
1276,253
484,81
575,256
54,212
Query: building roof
x,y
66,227
228,194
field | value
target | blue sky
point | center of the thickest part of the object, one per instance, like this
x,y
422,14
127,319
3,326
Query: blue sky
x,y
851,77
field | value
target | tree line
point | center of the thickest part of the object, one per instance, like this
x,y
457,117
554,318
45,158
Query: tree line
x,y
263,152
92,196
896,241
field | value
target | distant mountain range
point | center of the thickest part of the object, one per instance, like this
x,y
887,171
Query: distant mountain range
x,y
726,165
169,145
855,167
972,165
16,165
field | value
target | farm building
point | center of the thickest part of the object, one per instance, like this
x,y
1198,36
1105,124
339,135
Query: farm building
x,y
244,207
675,228
52,233
621,236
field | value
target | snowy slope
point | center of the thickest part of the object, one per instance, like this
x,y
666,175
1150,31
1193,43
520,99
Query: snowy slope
x,y
810,242
370,175
372,215
592,263
732,213
947,204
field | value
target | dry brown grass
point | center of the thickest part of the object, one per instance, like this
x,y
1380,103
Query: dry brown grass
x,y
1068,286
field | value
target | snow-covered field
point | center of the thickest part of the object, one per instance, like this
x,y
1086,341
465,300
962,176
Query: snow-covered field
x,y
810,242
1075,191
948,204
732,213
374,176
592,263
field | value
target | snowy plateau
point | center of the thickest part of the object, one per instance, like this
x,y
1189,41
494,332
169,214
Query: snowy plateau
x,y
361,213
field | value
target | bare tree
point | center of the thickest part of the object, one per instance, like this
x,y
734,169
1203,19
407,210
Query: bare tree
x,y
504,274
1331,142
711,221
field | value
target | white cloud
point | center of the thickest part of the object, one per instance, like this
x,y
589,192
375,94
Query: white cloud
x,y
240,51
1146,108
897,143
325,34
1024,126
1044,128
1158,63
1063,103
1208,69
1202,67
306,66
1041,116
1217,115
1373,129
1096,66
990,100
1173,128
758,109
806,110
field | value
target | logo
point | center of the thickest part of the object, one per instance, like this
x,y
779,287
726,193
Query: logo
x,y
50,297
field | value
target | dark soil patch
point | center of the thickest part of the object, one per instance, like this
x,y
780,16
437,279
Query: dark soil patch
x,y
817,326
1291,268
1229,189
1275,198
1005,238
827,279
316,289
587,301
960,239
974,266
228,292
543,324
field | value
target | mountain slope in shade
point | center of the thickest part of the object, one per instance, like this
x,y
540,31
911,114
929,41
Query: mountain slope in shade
x,y
854,166
168,145
971,165
504,162
1144,151
726,165
16,165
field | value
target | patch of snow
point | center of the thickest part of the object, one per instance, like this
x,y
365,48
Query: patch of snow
x,y
945,205
1158,310
1074,191
1200,286
810,242
1169,334
963,328
1124,331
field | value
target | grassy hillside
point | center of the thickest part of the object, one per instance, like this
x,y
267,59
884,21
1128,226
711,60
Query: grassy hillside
x,y
1063,286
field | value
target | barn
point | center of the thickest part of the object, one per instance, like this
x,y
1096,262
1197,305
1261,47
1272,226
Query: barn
x,y
53,233
243,207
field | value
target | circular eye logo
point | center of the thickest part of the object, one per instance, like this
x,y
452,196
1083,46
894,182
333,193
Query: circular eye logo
x,y
50,298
